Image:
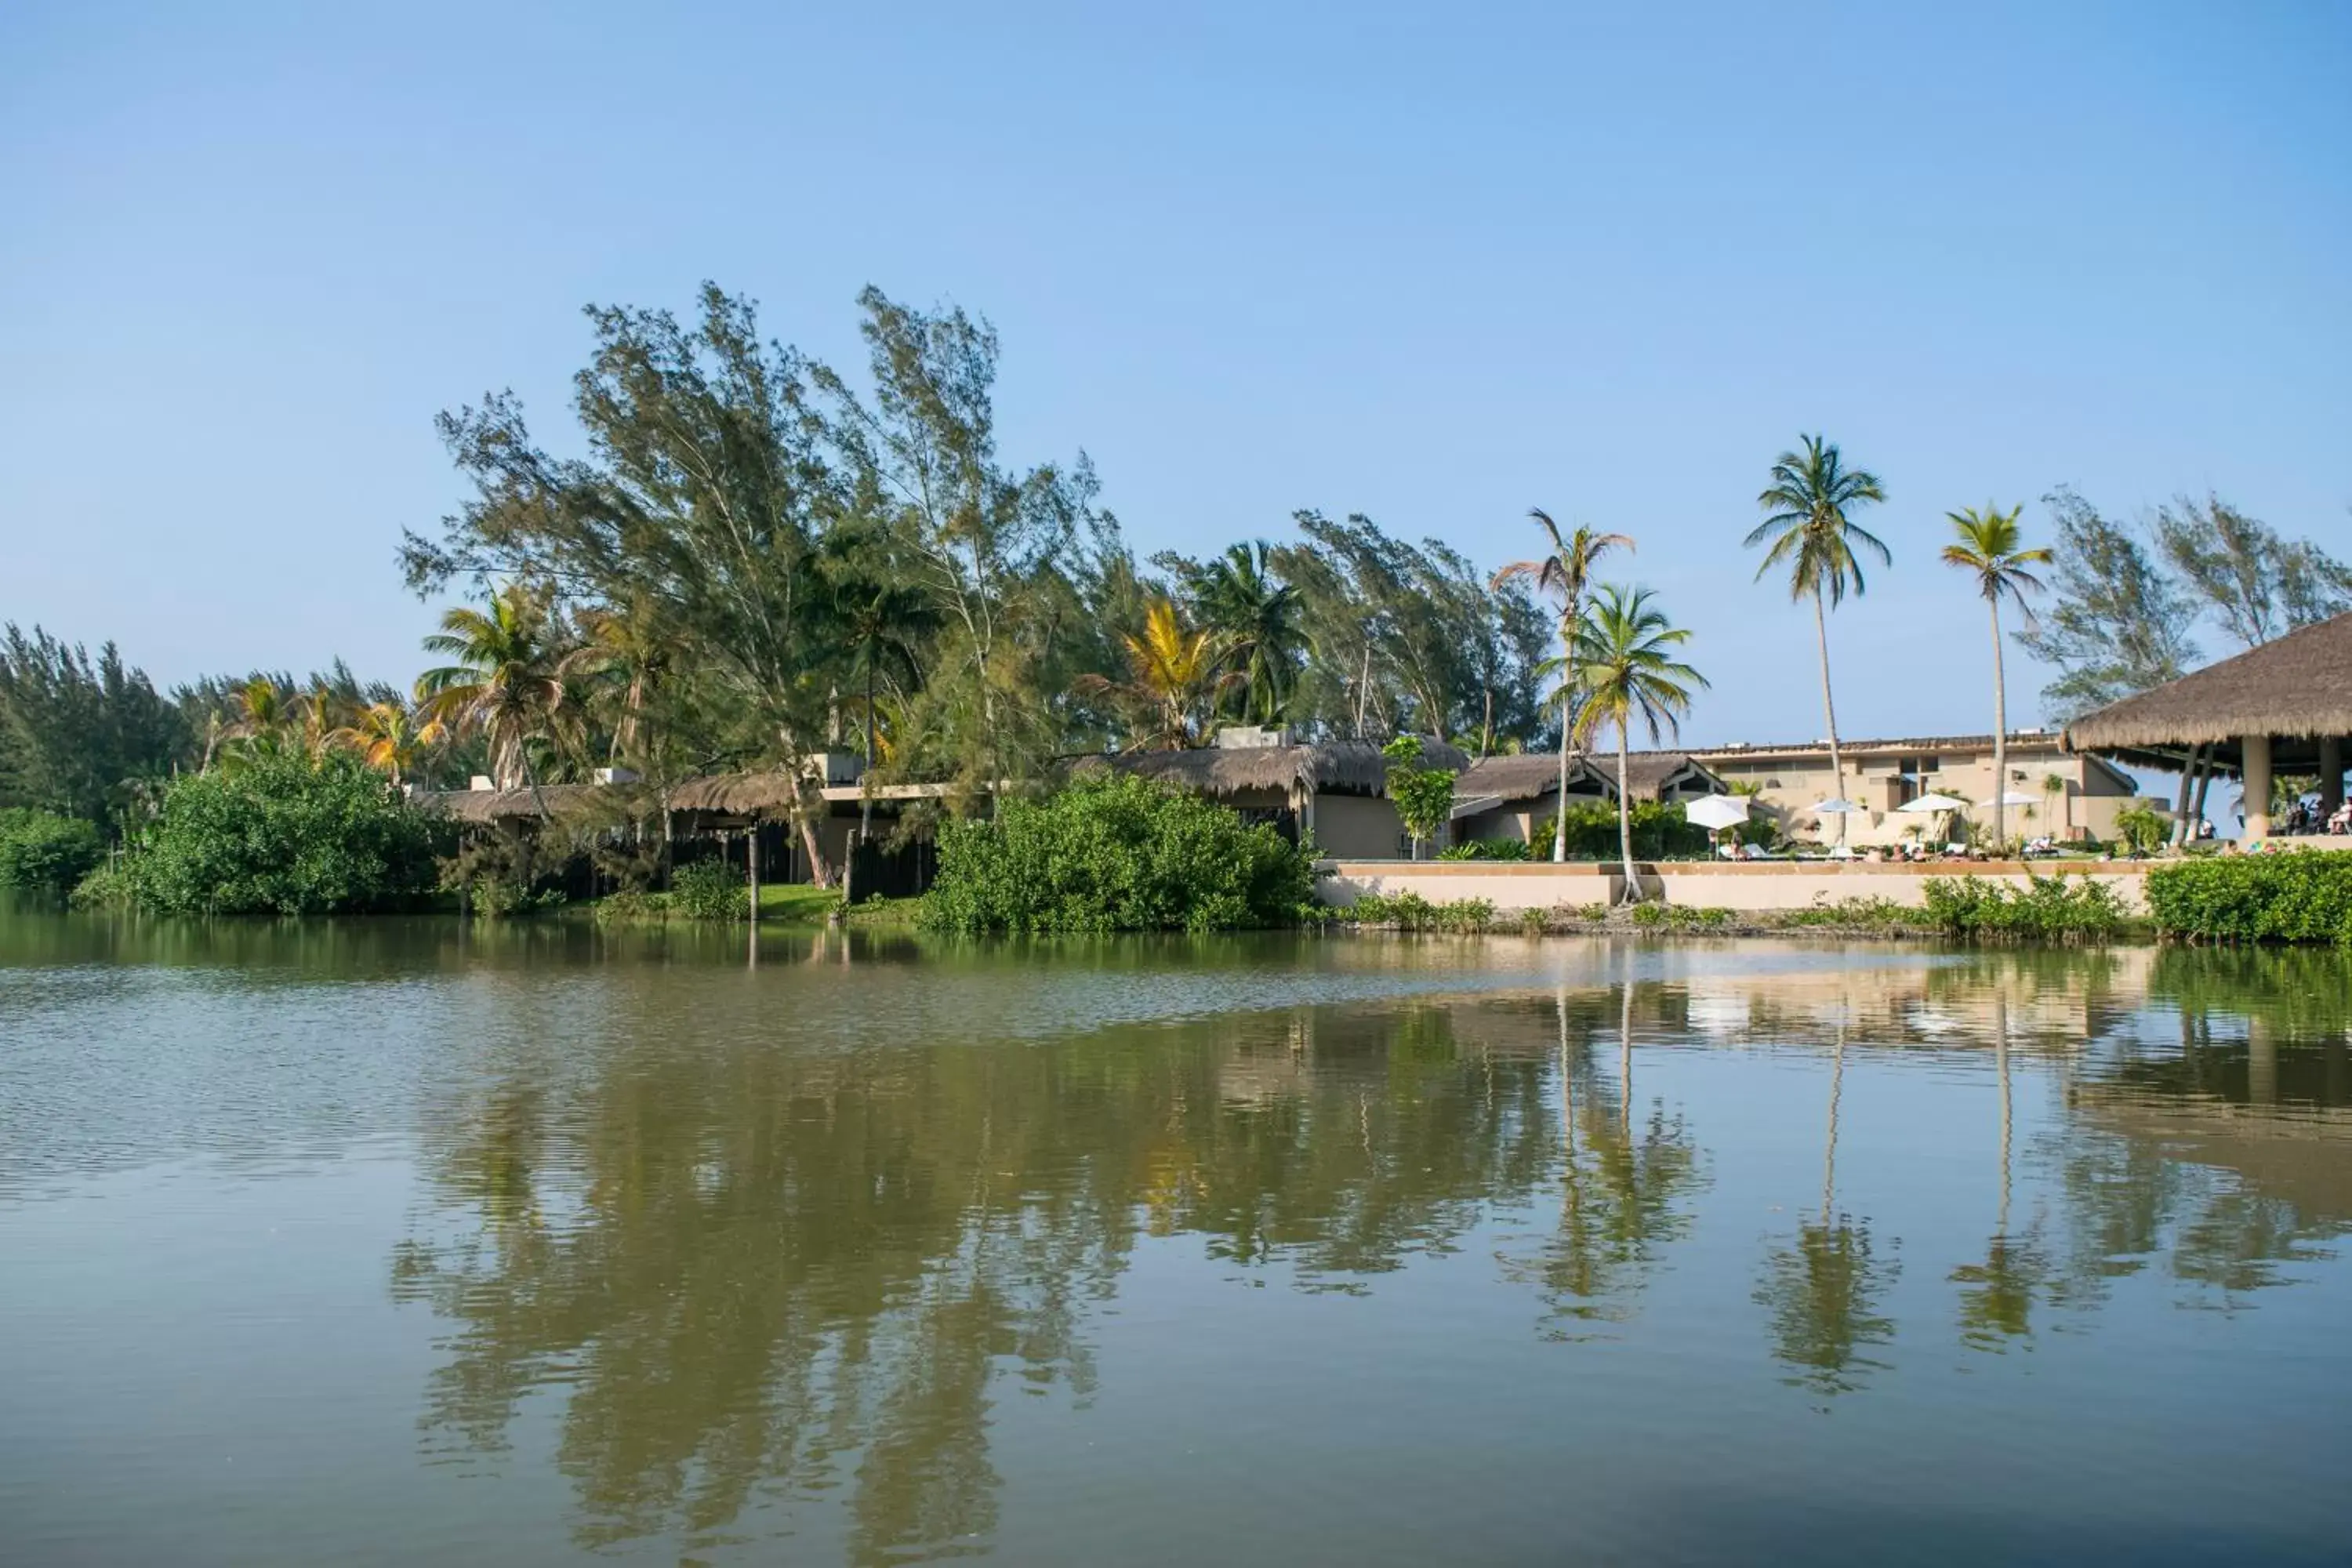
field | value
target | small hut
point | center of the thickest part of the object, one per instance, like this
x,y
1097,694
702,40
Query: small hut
x,y
2282,708
1335,791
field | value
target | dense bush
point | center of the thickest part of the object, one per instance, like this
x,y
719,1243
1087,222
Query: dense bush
x,y
709,890
501,873
1487,850
2048,909
283,835
2301,895
44,852
1660,832
1410,911
1117,854
1682,918
2141,830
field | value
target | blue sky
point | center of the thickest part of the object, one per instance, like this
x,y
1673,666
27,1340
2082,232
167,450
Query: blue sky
x,y
1434,264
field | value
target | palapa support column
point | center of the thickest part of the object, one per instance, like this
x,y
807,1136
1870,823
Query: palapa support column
x,y
2331,776
2257,750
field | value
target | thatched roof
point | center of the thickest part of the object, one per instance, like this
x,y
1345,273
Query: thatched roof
x,y
2297,688
1347,767
735,795
1535,775
482,806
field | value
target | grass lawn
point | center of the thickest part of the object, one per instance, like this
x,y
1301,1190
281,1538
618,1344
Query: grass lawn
x,y
796,902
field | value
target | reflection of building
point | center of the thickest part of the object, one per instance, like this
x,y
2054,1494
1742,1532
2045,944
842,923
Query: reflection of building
x,y
2073,795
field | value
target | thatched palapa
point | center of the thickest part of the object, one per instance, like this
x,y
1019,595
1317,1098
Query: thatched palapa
x,y
2297,690
1649,776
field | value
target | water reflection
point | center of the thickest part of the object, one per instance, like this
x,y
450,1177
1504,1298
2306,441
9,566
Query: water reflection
x,y
802,1245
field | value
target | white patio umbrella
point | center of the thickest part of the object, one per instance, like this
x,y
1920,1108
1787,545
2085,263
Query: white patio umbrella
x,y
1832,808
1715,811
1934,803
2014,797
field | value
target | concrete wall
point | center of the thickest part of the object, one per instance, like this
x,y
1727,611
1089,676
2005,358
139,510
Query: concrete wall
x,y
1763,886
1355,827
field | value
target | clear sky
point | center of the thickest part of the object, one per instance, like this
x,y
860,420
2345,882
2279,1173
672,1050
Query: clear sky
x,y
1436,264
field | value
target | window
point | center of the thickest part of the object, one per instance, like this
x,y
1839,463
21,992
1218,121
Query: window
x,y
1915,777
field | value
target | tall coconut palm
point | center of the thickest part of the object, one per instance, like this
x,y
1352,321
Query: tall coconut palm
x,y
1174,673
387,738
1626,671
260,719
1990,550
1564,573
1808,522
1238,597
506,683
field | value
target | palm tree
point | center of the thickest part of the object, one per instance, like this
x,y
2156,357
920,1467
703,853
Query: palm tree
x,y
1623,670
881,625
1988,548
387,737
626,652
1175,674
320,714
1237,598
260,721
1564,573
1806,519
507,682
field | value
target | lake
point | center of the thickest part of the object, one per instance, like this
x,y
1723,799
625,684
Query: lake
x,y
388,1242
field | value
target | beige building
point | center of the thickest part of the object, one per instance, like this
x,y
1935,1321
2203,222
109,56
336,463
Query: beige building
x,y
2075,796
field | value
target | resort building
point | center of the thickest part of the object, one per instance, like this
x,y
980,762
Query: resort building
x,y
2073,796
1512,797
2281,710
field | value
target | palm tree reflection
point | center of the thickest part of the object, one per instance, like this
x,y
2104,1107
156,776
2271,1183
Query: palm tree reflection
x,y
1822,1293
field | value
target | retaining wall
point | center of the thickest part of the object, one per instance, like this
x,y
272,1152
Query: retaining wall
x,y
1758,884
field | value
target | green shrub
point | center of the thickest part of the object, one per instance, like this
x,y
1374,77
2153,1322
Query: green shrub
x,y
1423,797
41,852
1116,853
1533,922
283,835
1409,912
711,890
1871,914
2141,830
2047,909
108,886
1487,850
1661,832
630,904
1681,918
2301,895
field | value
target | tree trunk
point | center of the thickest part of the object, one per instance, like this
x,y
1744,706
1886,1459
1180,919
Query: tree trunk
x,y
820,870
866,784
1999,740
752,866
2204,782
1559,817
2181,799
1625,817
1829,711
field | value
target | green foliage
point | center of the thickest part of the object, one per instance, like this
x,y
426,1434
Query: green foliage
x,y
1682,918
2304,895
1533,922
1487,850
1660,832
1410,911
1423,797
630,905
77,735
106,888
1857,913
2048,909
43,851
283,835
1116,853
2142,830
711,890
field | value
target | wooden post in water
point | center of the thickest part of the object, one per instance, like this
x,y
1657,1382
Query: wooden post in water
x,y
752,866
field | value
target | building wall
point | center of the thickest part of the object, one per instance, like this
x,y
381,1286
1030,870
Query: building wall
x,y
1876,778
1358,827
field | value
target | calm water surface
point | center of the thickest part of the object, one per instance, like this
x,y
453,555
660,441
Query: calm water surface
x,y
394,1243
